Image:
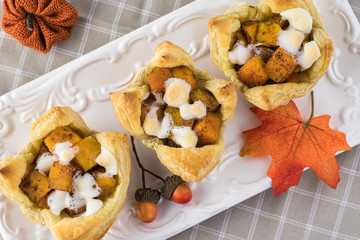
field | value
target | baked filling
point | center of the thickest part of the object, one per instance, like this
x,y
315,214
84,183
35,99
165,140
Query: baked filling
x,y
71,174
178,111
275,50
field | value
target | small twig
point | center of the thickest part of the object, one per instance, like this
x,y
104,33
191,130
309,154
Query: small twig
x,y
312,105
143,170
30,21
155,175
312,109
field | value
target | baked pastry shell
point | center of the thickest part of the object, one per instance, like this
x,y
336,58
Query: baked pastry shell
x,y
14,168
222,31
190,164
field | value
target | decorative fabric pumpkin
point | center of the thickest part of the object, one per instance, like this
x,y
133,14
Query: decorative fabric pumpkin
x,y
39,23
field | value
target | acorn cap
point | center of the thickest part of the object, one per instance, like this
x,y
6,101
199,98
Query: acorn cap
x,y
147,195
169,186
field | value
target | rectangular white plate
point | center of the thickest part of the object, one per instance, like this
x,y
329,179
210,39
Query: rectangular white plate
x,y
85,83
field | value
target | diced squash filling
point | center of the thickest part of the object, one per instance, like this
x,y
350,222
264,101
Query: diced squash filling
x,y
277,48
173,118
253,72
107,184
61,177
157,79
59,135
35,185
207,128
52,183
88,150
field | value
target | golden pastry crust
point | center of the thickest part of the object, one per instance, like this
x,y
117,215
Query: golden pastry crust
x,y
14,168
222,31
190,164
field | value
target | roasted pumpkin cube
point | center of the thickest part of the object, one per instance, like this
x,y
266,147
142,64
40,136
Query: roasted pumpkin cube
x,y
253,72
146,107
43,201
267,34
107,184
207,129
207,98
185,73
61,177
250,30
280,65
176,119
35,185
59,135
157,79
88,150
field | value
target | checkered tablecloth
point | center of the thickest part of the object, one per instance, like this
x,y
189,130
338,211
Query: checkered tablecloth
x,y
310,210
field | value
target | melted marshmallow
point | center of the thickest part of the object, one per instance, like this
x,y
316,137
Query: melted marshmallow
x,y
165,127
151,124
154,127
65,152
185,137
108,161
159,98
195,110
241,54
86,187
309,55
176,92
56,201
290,40
92,206
298,18
74,201
45,162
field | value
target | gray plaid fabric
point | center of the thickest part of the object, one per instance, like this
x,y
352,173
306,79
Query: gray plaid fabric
x,y
310,210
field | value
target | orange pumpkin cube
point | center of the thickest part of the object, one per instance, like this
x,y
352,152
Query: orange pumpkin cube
x,y
207,128
253,72
185,73
88,150
61,177
35,185
59,135
157,79
280,65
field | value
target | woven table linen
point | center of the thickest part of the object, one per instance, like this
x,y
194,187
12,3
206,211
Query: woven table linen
x,y
311,210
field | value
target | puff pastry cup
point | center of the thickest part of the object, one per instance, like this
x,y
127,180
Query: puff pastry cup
x,y
14,168
191,164
222,34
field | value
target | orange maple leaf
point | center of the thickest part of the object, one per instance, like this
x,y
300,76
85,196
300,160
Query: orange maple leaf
x,y
294,145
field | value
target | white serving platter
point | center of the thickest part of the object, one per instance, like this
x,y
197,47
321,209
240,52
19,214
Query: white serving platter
x,y
85,83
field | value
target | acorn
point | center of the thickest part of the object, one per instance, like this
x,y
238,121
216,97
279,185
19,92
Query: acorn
x,y
146,200
176,189
147,195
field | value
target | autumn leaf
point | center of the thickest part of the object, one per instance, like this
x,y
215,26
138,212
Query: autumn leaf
x,y
294,145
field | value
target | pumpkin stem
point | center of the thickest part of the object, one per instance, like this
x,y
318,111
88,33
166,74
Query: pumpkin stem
x,y
30,21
